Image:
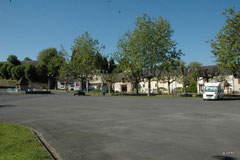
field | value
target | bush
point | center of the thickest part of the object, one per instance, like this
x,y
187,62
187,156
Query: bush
x,y
161,90
192,88
186,95
178,90
95,92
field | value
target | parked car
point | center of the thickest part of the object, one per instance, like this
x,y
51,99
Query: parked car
x,y
79,92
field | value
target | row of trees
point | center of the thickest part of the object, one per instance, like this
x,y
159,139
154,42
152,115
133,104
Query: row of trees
x,y
86,61
146,52
12,69
49,62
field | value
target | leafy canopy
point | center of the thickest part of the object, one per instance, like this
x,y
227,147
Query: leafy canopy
x,y
12,59
226,44
147,46
83,62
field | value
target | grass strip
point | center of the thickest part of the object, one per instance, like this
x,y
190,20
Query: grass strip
x,y
18,142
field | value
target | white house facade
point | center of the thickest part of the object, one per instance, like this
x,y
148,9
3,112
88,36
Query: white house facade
x,y
232,84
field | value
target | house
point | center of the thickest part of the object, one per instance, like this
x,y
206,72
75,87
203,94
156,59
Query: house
x,y
69,83
158,86
120,83
22,85
123,87
213,74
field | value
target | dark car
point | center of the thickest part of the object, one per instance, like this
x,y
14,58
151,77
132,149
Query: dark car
x,y
78,92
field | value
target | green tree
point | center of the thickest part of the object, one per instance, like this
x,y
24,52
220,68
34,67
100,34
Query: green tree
x,y
4,72
13,73
171,72
148,46
209,72
83,61
130,58
102,63
30,72
195,70
42,72
183,78
9,70
55,64
66,73
110,78
1,64
226,44
27,59
192,87
46,55
53,60
12,59
111,66
99,61
20,72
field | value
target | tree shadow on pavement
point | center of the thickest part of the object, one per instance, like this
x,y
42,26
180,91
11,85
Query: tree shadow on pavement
x,y
7,105
230,98
224,158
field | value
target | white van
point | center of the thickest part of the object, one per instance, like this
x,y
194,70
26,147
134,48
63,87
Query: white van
x,y
213,90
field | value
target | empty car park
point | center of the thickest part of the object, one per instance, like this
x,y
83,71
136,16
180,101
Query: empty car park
x,y
110,128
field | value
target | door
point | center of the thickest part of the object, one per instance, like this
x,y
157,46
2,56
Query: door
x,y
124,88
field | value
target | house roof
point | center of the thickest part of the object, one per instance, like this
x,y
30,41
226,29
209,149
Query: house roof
x,y
30,62
22,81
214,69
25,62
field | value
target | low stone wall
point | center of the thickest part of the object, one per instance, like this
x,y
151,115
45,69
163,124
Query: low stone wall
x,y
12,84
38,85
8,83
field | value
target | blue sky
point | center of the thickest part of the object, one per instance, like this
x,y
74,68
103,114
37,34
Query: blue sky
x,y
29,26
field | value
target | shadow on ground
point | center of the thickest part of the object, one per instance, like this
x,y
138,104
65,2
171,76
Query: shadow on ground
x,y
230,98
224,158
227,98
7,105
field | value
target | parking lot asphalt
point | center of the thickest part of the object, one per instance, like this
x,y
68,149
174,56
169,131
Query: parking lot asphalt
x,y
129,128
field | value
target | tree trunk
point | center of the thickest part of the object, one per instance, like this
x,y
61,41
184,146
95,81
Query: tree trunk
x,y
158,90
66,85
136,86
169,87
87,85
149,86
109,88
184,88
49,84
81,84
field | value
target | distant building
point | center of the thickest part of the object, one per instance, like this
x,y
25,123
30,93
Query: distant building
x,y
22,85
212,74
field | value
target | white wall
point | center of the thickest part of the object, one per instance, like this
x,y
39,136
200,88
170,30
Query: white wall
x,y
234,86
118,86
155,85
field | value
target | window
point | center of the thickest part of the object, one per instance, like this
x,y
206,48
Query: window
x,y
143,85
211,89
156,85
238,80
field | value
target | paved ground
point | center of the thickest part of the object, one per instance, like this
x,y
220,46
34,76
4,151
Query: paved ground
x,y
129,128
